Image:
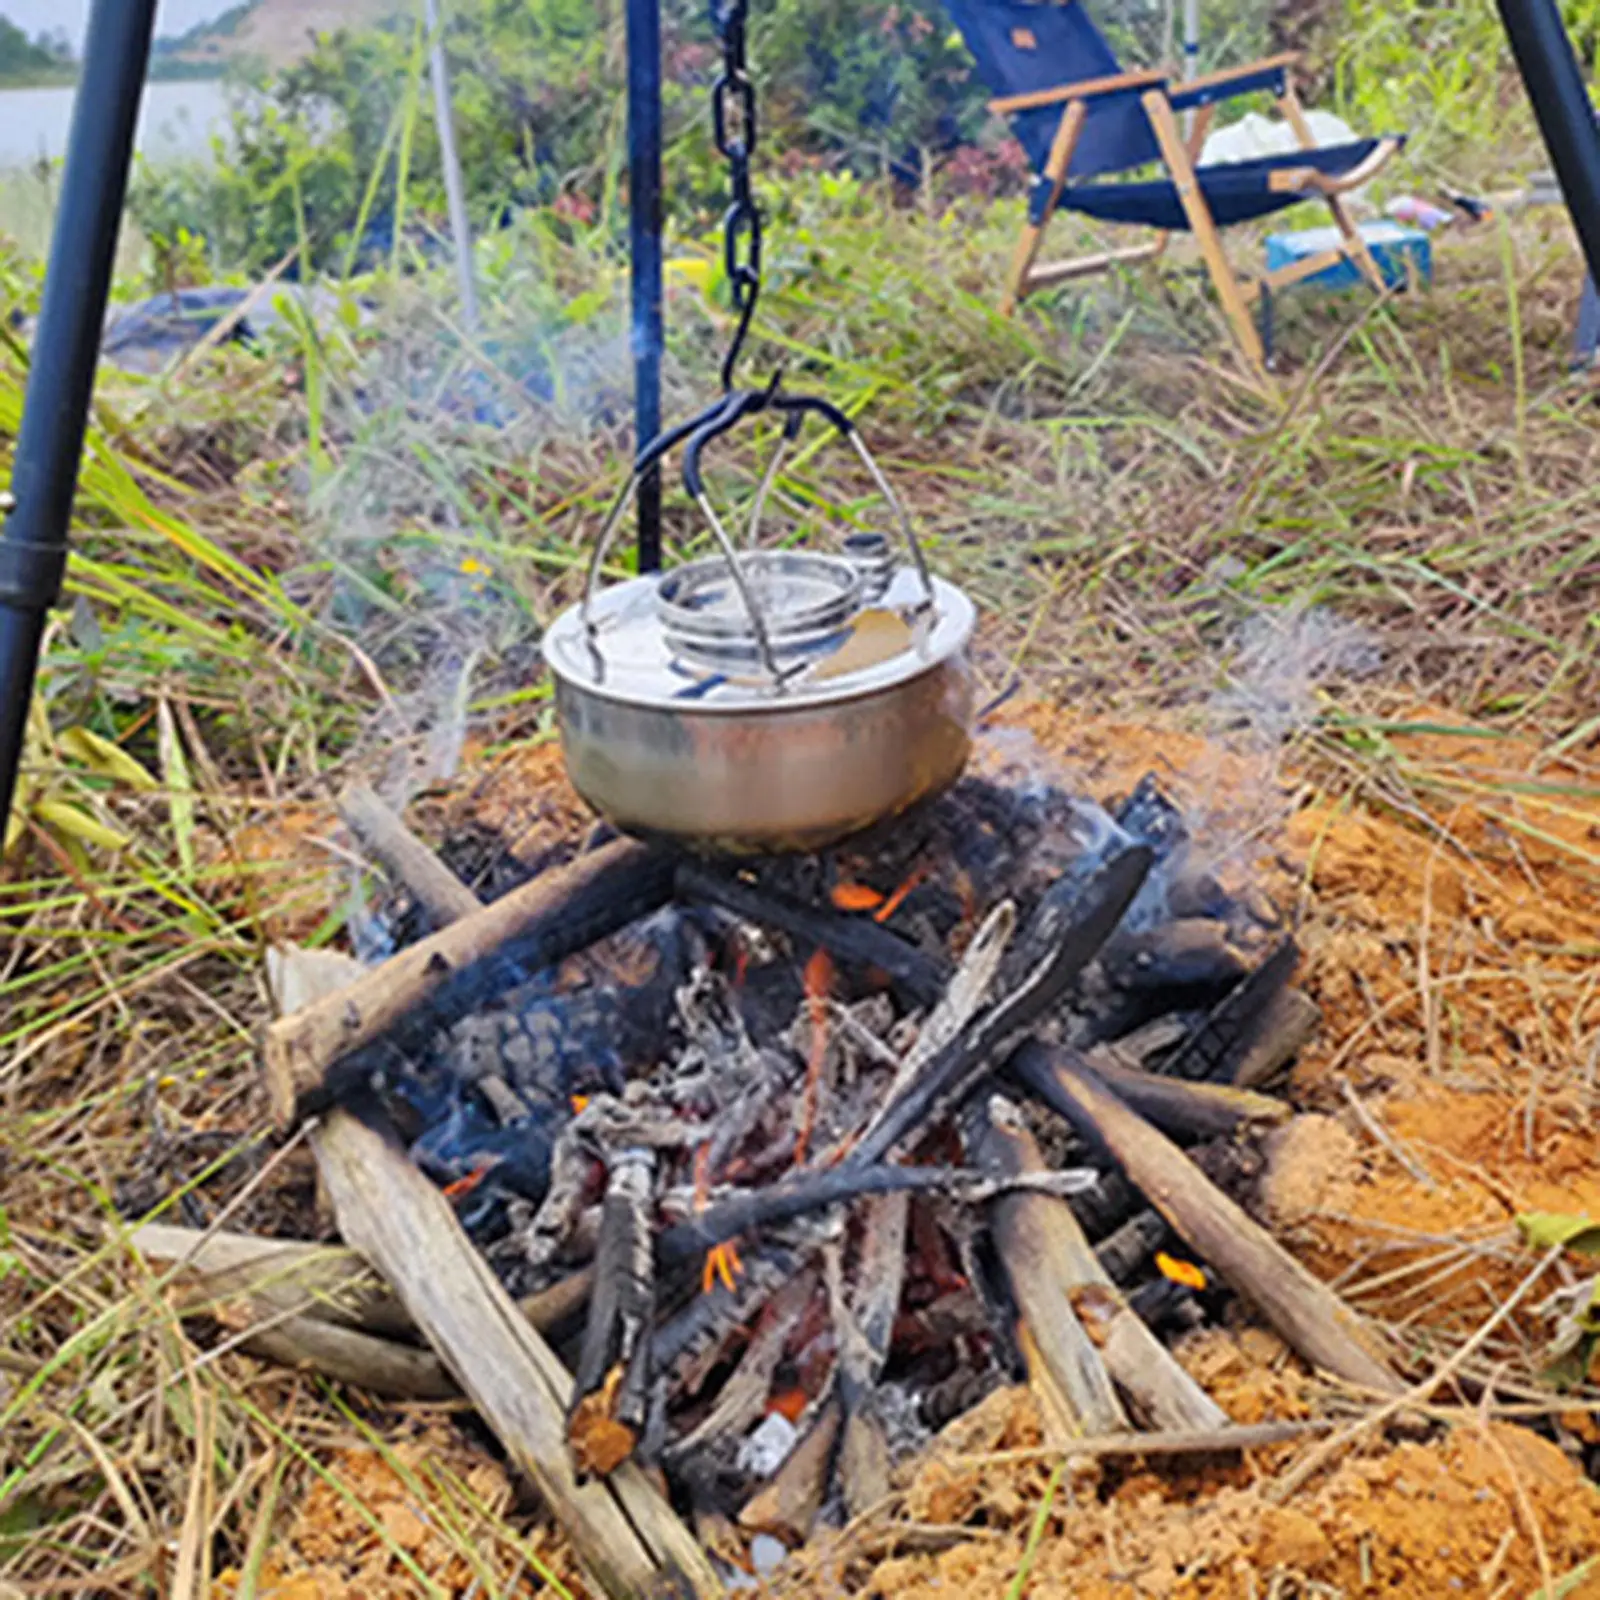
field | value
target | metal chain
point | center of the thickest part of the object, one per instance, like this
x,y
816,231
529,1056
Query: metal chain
x,y
733,119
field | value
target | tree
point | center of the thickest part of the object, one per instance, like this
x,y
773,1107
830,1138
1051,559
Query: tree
x,y
20,58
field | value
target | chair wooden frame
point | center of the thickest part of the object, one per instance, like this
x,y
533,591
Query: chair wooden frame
x,y
1179,153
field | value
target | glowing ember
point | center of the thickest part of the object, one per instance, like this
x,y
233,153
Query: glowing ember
x,y
855,897
898,898
464,1186
1185,1273
789,1403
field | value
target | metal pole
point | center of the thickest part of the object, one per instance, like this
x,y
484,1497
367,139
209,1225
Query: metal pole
x,y
1191,54
1566,116
66,347
450,159
644,222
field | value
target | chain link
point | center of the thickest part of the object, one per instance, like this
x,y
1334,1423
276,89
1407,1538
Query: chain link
x,y
733,120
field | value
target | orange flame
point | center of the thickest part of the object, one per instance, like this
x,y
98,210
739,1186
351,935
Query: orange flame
x,y
1185,1273
855,897
722,1266
898,898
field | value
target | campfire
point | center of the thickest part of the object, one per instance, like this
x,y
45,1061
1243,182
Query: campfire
x,y
790,1163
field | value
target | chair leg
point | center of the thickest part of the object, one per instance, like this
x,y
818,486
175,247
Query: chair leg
x,y
1022,260
1199,128
1055,173
1354,243
1176,156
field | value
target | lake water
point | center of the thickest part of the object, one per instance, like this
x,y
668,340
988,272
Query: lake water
x,y
178,119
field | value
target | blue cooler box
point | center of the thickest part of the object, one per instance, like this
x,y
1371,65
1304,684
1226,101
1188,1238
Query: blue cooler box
x,y
1403,254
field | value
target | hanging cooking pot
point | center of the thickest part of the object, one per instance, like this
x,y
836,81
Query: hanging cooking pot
x,y
762,701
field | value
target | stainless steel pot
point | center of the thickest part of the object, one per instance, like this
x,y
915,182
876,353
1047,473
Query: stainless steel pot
x,y
767,708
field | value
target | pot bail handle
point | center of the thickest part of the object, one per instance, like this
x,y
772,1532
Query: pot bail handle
x,y
642,463
796,407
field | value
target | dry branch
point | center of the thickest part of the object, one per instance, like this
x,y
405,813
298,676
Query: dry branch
x,y
1068,1301
1312,1319
611,1395
327,1281
346,1355
1287,1026
1184,1110
405,857
558,913
623,1531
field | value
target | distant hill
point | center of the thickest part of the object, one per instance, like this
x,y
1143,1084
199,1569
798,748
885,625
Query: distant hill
x,y
25,61
276,32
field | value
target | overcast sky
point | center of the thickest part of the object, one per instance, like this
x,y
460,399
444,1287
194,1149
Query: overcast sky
x,y
172,16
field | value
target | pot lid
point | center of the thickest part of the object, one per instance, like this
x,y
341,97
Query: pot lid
x,y
804,599
631,658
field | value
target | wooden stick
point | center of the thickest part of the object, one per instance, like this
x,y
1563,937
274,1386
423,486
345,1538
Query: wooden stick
x,y
1287,1026
435,888
864,1325
1219,1441
789,1504
1209,1053
1312,1319
405,857
611,1391
316,1308
1183,1110
326,1281
346,1355
623,1531
1037,1246
1069,1303
561,911
329,1282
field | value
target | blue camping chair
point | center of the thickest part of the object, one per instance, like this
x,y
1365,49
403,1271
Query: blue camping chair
x,y
1079,116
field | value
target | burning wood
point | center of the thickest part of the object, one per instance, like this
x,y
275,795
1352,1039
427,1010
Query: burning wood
x,y
452,970
757,1248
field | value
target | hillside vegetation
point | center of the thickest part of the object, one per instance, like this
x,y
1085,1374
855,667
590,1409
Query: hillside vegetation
x,y
273,33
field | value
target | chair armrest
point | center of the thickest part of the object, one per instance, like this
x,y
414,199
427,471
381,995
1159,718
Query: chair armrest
x,y
1090,87
1230,81
1312,180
